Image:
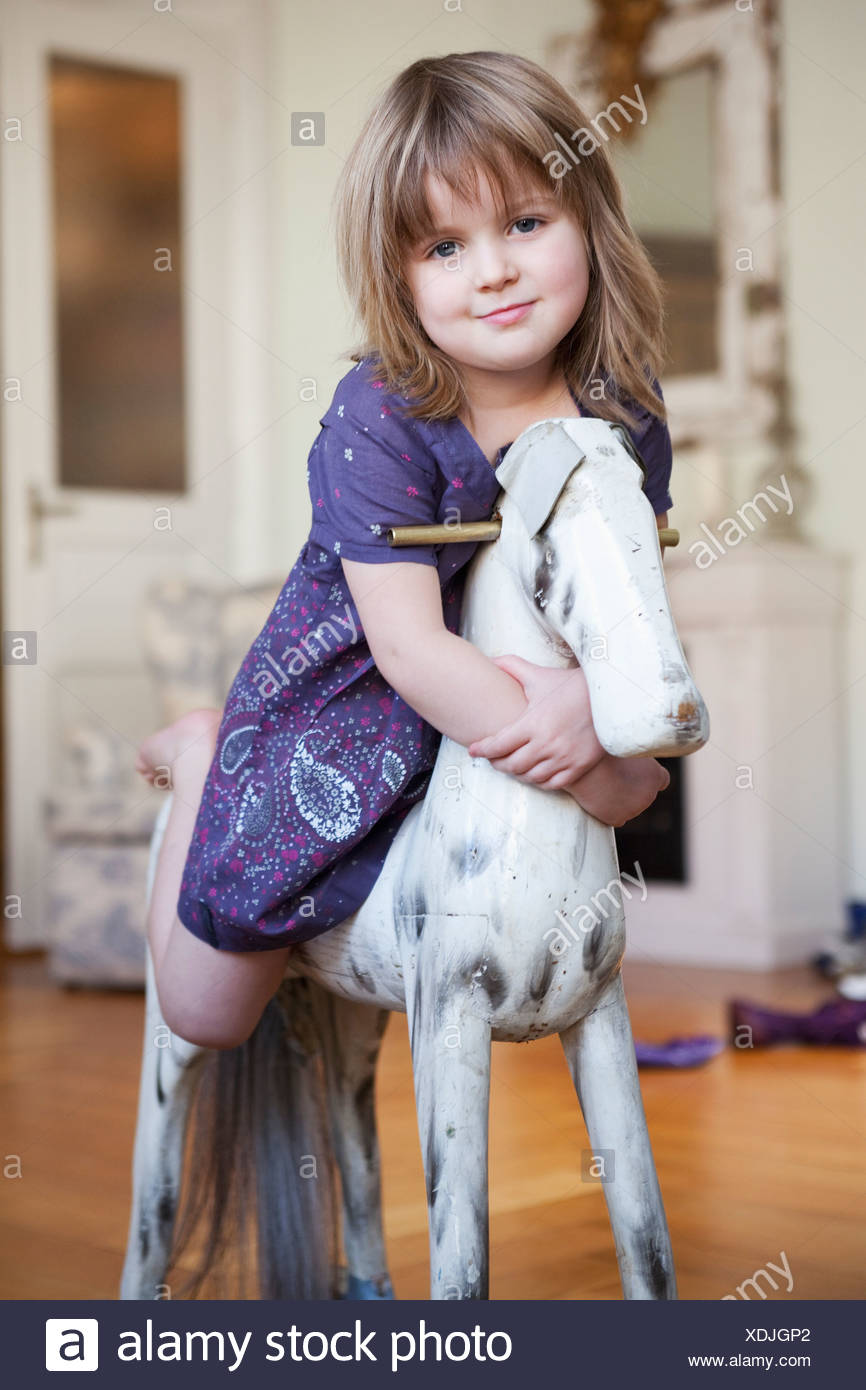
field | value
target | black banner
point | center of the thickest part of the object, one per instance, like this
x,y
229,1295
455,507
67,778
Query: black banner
x,y
414,1343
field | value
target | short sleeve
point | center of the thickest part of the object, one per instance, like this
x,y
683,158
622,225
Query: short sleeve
x,y
370,469
653,442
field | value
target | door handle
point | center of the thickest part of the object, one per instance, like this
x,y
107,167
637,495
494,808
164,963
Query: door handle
x,y
38,508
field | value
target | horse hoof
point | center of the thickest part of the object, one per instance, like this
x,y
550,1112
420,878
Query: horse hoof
x,y
368,1289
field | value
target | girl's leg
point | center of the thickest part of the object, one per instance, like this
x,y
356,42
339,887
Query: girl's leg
x,y
211,998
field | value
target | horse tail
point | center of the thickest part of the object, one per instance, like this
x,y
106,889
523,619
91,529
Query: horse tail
x,y
261,1135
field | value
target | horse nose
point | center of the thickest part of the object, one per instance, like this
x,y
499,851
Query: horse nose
x,y
690,719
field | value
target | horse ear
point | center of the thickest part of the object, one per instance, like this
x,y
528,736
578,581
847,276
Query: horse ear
x,y
631,448
534,487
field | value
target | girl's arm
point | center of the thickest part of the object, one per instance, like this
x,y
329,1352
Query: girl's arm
x,y
465,695
614,790
453,685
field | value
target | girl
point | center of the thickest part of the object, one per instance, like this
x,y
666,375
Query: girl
x,y
495,288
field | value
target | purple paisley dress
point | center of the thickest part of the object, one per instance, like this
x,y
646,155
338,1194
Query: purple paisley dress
x,y
318,760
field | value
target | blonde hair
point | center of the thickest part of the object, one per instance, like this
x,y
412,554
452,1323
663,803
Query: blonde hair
x,y
497,112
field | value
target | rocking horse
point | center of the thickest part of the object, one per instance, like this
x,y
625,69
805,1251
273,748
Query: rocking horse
x,y
461,932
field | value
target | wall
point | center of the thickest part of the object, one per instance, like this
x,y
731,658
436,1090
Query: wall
x,y
824,228
825,231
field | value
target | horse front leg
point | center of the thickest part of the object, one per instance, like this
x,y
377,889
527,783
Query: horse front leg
x,y
451,1065
352,1035
601,1058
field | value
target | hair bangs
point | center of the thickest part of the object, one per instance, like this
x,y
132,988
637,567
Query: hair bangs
x,y
461,156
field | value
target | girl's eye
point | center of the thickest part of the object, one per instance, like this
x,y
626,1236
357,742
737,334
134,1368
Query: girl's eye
x,y
433,250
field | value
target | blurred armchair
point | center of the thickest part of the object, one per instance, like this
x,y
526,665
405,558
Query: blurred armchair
x,y
100,814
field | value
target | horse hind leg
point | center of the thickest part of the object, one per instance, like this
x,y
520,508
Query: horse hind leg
x,y
601,1057
170,1069
352,1036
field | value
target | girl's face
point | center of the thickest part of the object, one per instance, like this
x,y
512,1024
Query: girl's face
x,y
479,262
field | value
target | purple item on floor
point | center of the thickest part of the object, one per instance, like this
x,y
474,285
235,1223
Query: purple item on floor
x,y
679,1052
840,1021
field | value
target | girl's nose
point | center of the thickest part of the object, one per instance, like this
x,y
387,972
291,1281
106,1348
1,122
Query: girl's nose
x,y
492,266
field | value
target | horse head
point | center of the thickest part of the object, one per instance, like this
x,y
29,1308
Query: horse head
x,y
580,538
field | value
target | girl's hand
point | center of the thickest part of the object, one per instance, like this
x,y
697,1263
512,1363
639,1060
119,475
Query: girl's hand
x,y
553,743
618,789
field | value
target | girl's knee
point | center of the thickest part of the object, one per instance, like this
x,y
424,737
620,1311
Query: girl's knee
x,y
203,1030
215,998
201,1019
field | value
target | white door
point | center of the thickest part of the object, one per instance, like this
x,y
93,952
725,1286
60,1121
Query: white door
x,y
77,559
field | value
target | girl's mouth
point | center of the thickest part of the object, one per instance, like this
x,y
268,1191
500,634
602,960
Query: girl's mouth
x,y
509,315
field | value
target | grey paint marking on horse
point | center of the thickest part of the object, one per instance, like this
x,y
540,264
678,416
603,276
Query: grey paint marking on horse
x,y
467,859
488,975
364,1102
443,1010
568,600
655,1270
166,1206
689,720
431,1168
364,978
410,917
545,573
593,947
540,979
415,1021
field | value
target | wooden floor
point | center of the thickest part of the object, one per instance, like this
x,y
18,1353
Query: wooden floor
x,y
758,1153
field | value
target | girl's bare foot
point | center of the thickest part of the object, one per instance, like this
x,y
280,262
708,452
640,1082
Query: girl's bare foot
x,y
165,756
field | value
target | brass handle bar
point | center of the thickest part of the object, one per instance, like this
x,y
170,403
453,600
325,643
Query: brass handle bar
x,y
439,533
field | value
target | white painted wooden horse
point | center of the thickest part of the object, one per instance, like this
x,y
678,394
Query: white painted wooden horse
x,y
463,932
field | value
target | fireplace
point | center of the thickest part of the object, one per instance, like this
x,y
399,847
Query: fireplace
x,y
655,839
743,854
